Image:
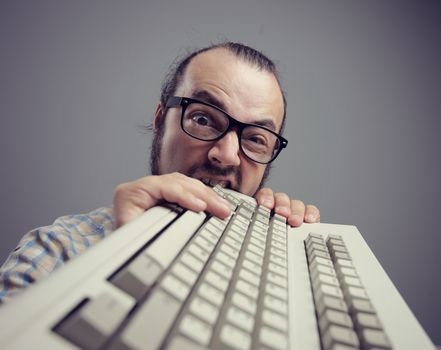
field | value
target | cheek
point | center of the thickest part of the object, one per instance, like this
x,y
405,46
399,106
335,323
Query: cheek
x,y
252,174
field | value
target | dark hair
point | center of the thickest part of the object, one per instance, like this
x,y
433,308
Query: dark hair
x,y
246,53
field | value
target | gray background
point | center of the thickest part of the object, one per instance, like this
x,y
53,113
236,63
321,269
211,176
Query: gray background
x,y
78,78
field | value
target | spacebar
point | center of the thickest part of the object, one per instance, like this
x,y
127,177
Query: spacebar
x,y
150,324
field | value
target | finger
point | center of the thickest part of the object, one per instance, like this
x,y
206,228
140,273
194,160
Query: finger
x,y
282,204
193,195
297,213
265,197
312,214
133,198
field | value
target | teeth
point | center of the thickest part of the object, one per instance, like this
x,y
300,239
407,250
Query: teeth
x,y
214,182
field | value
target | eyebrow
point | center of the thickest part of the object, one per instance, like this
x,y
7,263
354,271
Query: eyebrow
x,y
205,96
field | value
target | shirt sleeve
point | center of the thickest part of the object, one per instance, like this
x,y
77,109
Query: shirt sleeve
x,y
45,249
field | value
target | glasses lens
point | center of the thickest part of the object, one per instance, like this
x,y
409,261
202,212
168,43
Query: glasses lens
x,y
259,144
204,122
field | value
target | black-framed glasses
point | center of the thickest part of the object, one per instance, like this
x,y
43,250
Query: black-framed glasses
x,y
207,122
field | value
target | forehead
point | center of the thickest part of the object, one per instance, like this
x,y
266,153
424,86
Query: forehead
x,y
243,90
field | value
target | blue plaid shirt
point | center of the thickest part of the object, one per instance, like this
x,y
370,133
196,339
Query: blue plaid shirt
x,y
45,249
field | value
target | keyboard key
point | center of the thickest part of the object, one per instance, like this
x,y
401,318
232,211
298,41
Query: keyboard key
x,y
198,252
181,343
249,277
235,337
277,279
247,289
260,225
135,335
211,237
354,293
360,305
218,223
213,229
276,304
195,329
278,243
278,260
204,310
238,229
351,281
328,302
236,236
244,302
339,263
279,252
222,269
175,287
211,294
282,271
371,338
91,325
238,221
339,335
226,259
364,320
276,291
346,271
245,212
254,257
192,262
204,243
252,266
316,268
217,281
325,289
344,256
262,218
257,242
137,277
333,317
227,249
240,318
184,273
233,242
318,254
261,237
325,279
275,320
273,339
255,249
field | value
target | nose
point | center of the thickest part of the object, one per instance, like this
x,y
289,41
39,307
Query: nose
x,y
225,152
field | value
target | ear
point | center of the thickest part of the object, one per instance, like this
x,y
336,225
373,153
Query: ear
x,y
158,119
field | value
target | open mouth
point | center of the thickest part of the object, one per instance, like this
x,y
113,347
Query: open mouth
x,y
213,182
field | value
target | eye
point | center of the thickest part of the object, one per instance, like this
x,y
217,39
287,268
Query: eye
x,y
201,119
258,140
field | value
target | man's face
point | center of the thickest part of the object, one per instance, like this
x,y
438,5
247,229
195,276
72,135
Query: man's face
x,y
248,94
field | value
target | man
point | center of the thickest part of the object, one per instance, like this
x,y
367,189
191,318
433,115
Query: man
x,y
218,122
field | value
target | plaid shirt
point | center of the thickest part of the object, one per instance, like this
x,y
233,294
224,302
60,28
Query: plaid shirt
x,y
45,249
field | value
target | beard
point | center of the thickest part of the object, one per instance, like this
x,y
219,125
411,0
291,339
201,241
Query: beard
x,y
207,167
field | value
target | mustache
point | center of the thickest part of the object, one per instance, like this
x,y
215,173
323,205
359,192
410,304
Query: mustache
x,y
210,169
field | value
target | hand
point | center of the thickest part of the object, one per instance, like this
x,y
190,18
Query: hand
x,y
294,210
131,199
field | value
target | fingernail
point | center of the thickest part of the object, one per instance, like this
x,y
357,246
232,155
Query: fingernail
x,y
267,202
311,218
282,210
